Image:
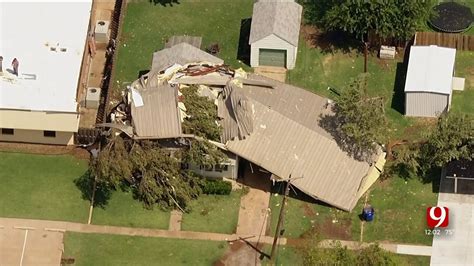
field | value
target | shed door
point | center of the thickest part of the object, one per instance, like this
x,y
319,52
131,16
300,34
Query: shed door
x,y
271,57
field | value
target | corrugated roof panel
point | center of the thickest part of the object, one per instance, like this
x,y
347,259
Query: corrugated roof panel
x,y
430,69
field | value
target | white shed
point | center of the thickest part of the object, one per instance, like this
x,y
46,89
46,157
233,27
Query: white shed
x,y
274,33
428,86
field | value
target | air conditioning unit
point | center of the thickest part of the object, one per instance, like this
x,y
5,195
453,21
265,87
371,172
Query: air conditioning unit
x,y
93,97
101,32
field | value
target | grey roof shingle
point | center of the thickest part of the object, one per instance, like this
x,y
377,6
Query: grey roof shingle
x,y
182,53
282,18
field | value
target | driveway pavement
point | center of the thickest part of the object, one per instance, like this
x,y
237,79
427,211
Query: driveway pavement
x,y
458,248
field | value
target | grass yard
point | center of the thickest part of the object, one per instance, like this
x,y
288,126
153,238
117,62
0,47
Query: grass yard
x,y
97,249
213,213
123,210
41,187
316,70
463,101
147,26
400,208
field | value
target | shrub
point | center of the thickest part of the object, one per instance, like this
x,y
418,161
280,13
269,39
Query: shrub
x,y
217,187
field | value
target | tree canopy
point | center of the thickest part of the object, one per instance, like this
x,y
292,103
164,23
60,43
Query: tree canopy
x,y
372,255
399,19
452,138
153,172
359,121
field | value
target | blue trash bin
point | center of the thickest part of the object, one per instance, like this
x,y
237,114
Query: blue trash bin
x,y
368,213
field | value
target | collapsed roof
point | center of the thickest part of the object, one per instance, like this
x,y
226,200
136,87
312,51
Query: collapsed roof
x,y
269,123
182,53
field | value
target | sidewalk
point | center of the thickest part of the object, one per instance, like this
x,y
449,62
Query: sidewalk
x,y
58,226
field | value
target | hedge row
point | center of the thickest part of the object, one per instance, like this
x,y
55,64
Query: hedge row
x,y
216,187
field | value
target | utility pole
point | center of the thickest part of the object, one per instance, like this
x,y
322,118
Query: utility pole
x,y
281,217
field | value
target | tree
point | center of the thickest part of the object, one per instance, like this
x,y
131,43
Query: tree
x,y
152,172
202,115
397,19
451,139
372,255
359,121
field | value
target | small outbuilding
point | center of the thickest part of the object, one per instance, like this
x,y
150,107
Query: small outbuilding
x,y
274,33
429,81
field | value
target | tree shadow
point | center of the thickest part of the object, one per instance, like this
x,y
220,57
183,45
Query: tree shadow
x,y
85,184
164,2
243,50
333,41
398,98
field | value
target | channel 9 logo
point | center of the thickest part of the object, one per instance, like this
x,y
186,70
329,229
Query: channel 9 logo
x,y
437,217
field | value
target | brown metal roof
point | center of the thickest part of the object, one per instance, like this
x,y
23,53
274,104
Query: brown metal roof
x,y
159,115
282,18
287,140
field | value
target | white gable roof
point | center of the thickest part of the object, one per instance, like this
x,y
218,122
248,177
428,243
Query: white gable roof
x,y
430,69
47,79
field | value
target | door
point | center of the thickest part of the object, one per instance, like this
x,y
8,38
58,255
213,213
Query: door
x,y
272,57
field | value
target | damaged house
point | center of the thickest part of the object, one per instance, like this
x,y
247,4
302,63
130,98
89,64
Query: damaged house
x,y
268,123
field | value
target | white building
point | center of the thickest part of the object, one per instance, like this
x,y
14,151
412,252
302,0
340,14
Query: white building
x,y
429,82
274,33
39,104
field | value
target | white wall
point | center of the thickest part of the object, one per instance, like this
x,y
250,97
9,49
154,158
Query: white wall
x,y
425,104
273,42
36,136
231,173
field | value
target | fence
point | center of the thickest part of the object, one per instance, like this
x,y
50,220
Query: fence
x,y
107,85
451,40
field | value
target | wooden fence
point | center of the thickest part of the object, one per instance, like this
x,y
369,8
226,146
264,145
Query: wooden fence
x,y
451,40
107,85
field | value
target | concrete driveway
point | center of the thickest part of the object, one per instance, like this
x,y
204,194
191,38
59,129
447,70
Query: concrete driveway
x,y
457,249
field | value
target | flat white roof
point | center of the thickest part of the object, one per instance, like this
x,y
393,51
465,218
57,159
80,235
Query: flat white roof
x,y
47,79
430,69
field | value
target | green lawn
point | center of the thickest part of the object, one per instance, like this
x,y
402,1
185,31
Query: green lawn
x,y
400,208
96,249
463,101
147,26
213,213
41,187
123,210
317,70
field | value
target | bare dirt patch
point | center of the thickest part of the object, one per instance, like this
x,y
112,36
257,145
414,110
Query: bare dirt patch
x,y
308,211
44,149
339,230
240,253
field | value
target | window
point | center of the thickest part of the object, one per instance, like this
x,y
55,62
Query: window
x,y
8,131
221,167
49,134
